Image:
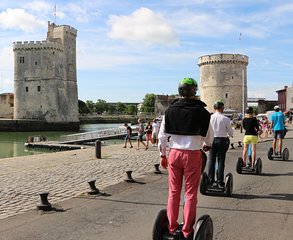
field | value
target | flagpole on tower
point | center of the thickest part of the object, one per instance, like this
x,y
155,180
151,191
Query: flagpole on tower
x,y
55,10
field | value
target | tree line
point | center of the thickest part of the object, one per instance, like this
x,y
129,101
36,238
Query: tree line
x,y
103,107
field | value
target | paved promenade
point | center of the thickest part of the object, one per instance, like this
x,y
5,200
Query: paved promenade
x,y
66,174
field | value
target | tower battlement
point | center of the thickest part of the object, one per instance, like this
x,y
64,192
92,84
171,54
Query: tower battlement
x,y
38,45
223,58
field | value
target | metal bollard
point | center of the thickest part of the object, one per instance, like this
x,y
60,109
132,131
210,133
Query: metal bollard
x,y
232,146
157,170
98,149
45,205
239,144
93,189
129,177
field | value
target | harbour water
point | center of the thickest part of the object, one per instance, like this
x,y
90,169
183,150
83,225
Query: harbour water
x,y
12,143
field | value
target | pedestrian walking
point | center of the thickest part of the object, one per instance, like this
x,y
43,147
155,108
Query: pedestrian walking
x,y
128,135
140,133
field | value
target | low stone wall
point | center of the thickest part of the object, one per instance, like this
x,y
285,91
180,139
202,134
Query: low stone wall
x,y
108,119
23,125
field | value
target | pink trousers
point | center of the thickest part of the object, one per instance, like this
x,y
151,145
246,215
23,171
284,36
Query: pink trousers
x,y
187,164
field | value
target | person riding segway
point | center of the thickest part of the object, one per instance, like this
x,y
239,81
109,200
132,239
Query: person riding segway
x,y
251,127
222,131
279,131
187,124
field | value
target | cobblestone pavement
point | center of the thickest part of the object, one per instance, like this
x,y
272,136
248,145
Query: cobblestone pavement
x,y
66,174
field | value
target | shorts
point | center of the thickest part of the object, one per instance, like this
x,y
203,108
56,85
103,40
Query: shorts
x,y
127,137
139,138
154,135
250,139
279,134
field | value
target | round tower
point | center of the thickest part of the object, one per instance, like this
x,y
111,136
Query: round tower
x,y
224,76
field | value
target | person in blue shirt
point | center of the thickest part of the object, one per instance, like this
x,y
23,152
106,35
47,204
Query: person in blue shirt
x,y
278,127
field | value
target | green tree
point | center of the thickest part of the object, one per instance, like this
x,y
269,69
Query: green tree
x,y
148,104
121,107
101,106
131,110
91,105
111,109
82,107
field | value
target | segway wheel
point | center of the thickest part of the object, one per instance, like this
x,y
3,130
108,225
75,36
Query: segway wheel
x,y
270,154
285,154
160,225
228,185
203,183
204,228
239,165
204,160
258,166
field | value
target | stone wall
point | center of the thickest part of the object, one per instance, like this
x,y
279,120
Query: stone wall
x,y
6,105
22,125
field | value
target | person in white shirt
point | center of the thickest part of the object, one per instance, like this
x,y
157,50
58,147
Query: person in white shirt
x,y
187,124
222,131
155,132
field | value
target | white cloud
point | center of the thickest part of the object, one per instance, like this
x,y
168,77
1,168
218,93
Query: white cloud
x,y
41,7
20,19
79,13
202,24
143,26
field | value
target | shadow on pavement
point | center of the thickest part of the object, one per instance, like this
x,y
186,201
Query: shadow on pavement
x,y
275,196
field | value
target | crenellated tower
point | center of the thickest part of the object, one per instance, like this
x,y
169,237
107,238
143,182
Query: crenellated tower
x,y
224,76
45,81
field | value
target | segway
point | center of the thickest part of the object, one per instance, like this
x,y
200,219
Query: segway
x,y
203,228
257,167
206,187
284,156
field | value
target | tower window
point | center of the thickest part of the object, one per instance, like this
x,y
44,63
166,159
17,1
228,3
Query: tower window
x,y
226,95
26,89
21,59
36,63
39,88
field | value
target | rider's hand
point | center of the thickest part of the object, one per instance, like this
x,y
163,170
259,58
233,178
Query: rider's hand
x,y
206,148
164,162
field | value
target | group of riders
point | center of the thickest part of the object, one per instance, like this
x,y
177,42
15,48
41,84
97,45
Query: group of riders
x,y
187,128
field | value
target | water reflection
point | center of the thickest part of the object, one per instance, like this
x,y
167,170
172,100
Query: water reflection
x,y
12,143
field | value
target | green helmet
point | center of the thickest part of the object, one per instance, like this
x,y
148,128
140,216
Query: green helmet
x,y
219,104
187,87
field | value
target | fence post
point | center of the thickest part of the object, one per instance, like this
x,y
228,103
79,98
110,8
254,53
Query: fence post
x,y
98,148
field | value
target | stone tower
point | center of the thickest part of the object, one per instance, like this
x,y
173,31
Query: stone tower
x,y
224,76
45,82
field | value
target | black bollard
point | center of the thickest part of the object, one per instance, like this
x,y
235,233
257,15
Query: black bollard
x,y
239,144
232,146
157,169
98,149
129,177
93,189
45,205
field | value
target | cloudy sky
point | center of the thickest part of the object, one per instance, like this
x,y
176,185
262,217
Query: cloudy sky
x,y
128,48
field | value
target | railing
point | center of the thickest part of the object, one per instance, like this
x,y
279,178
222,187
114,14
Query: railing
x,y
88,136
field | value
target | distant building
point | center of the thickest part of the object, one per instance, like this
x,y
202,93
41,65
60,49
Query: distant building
x,y
285,98
45,82
162,102
224,76
6,105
